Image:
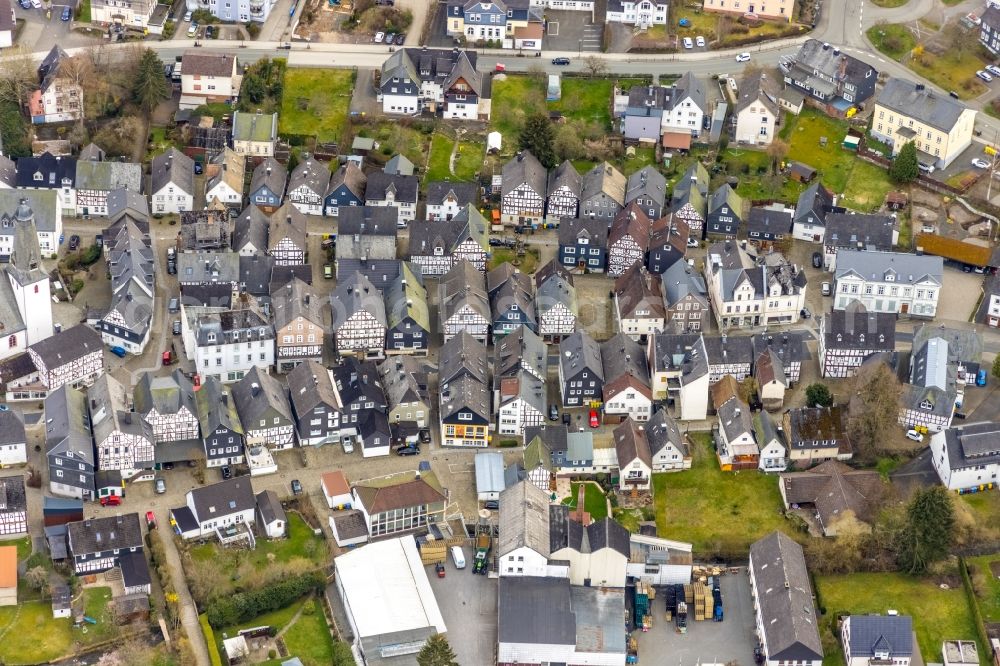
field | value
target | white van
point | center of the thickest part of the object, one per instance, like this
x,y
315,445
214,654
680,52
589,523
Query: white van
x,y
458,557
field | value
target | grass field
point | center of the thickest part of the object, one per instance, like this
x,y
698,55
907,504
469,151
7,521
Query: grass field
x,y
866,187
529,262
703,24
892,39
22,626
309,638
937,614
437,164
987,585
889,4
718,512
315,103
951,71
594,501
300,543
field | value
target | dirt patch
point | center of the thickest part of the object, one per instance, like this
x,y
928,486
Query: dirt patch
x,y
995,568
953,581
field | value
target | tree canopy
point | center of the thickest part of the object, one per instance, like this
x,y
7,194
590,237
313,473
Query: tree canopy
x,y
904,168
150,86
818,395
930,522
437,652
537,137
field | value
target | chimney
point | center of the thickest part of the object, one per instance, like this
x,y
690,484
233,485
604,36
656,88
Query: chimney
x,y
255,389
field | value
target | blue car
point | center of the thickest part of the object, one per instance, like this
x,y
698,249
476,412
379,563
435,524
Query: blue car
x,y
65,14
981,378
119,352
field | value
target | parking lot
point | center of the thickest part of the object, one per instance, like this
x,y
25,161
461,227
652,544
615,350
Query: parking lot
x,y
468,604
571,31
706,642
961,291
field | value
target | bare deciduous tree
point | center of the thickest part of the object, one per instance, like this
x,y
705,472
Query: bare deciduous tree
x,y
595,65
873,411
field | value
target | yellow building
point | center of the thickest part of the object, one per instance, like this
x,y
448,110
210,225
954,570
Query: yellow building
x,y
939,125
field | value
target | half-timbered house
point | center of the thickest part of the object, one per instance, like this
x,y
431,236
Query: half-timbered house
x,y
564,189
300,333
729,355
124,441
437,246
463,303
314,404
848,337
522,192
628,239
286,237
13,507
307,186
685,299
74,357
555,301
788,346
359,321
264,411
167,405
689,200
99,544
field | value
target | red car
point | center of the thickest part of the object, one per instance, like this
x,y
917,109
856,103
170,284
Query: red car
x,y
595,421
111,500
439,568
150,520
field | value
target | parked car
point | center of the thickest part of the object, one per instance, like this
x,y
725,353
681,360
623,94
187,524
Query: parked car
x,y
984,76
993,69
595,420
150,520
817,259
193,30
805,314
379,36
693,242
914,435
296,487
168,466
400,38
492,505
981,378
37,4
198,168
328,271
187,16
168,357
825,289
553,413
560,61
111,500
161,486
425,436
227,472
743,57
408,450
210,31
74,242
926,168
501,67
66,14
699,41
99,240
118,351
174,305
390,37
25,4
961,415
171,267
688,44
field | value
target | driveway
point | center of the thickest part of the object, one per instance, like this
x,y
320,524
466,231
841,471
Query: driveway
x,y
468,605
959,294
566,30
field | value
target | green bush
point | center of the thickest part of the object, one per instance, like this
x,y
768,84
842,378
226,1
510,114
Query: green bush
x,y
169,28
253,29
90,256
203,17
244,606
507,443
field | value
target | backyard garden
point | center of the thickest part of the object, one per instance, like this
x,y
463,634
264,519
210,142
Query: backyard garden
x,y
22,625
719,513
595,502
315,102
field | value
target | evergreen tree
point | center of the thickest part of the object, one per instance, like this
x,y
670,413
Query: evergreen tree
x,y
930,521
150,85
537,137
437,652
904,167
818,395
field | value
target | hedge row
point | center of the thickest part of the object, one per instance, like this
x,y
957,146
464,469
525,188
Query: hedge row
x,y
244,606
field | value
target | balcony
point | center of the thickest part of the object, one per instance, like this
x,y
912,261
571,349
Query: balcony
x,y
257,9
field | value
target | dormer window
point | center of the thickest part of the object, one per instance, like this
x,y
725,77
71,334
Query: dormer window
x,y
926,405
861,337
38,177
211,337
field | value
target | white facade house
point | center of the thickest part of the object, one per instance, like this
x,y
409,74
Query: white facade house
x,y
172,182
228,344
640,13
870,640
242,11
209,509
13,441
209,77
889,282
756,111
967,457
418,79
524,545
679,369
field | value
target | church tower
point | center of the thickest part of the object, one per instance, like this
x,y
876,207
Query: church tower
x,y
28,279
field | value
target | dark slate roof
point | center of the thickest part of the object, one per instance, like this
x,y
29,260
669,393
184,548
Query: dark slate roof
x,y
767,220
256,394
70,345
788,346
354,295
380,183
726,195
815,56
624,357
856,328
553,435
608,533
813,205
524,168
593,228
135,569
11,428
271,173
535,610
352,177
579,351
646,182
973,445
917,101
725,349
314,175
860,231
309,385
662,430
464,193
173,167
255,274
270,506
52,170
881,633
223,498
12,497
755,88
106,533
566,175
464,355
784,597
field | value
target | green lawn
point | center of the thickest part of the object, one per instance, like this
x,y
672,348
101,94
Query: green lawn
x,y
937,614
867,186
718,512
985,507
84,14
952,70
889,4
594,501
514,97
757,182
300,543
469,160
503,255
309,638
987,585
702,23
23,548
394,138
315,102
833,163
586,99
21,628
278,618
215,109
892,39
437,165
